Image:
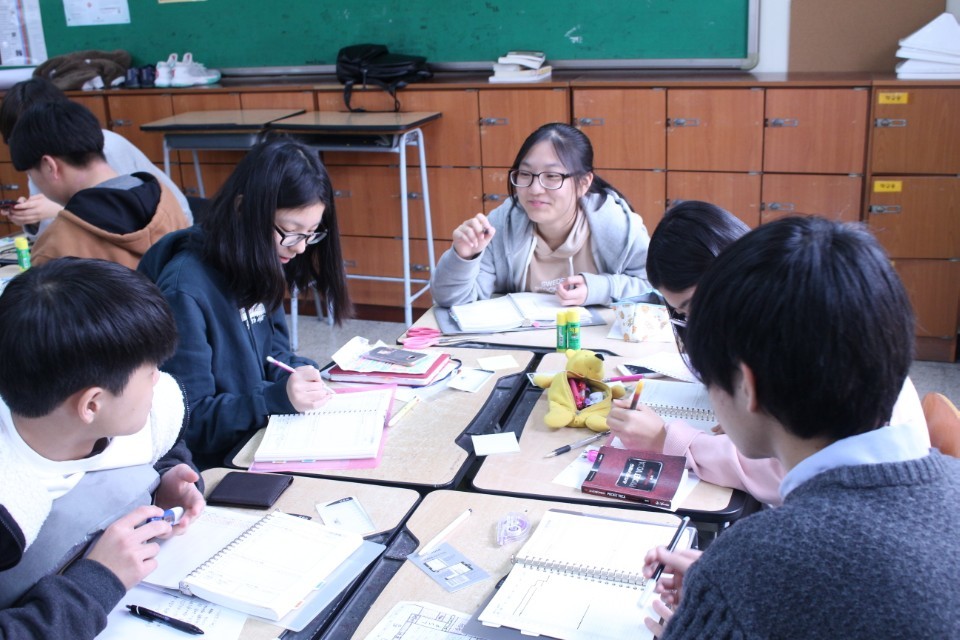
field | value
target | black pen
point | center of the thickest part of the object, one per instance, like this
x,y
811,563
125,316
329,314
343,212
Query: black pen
x,y
149,614
652,581
579,443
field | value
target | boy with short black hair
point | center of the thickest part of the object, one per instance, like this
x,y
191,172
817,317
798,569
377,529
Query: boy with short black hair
x,y
105,215
89,438
803,334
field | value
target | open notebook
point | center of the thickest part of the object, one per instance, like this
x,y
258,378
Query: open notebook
x,y
350,425
512,311
564,587
687,401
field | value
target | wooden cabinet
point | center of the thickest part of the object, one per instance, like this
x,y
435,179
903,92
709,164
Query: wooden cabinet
x,y
383,257
715,129
834,197
916,216
625,126
645,190
278,100
934,290
495,189
916,130
128,112
738,193
508,116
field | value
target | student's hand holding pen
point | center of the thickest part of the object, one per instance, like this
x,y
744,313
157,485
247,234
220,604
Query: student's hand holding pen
x,y
473,236
306,389
573,291
676,564
178,489
641,428
127,547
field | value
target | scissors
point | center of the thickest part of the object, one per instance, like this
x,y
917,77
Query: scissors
x,y
420,337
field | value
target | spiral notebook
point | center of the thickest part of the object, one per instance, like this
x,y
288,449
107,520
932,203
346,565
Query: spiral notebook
x,y
268,570
579,576
688,401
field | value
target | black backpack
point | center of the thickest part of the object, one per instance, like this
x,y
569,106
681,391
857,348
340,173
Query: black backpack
x,y
373,64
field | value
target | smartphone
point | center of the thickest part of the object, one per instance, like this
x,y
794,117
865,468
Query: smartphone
x,y
634,370
394,356
7,204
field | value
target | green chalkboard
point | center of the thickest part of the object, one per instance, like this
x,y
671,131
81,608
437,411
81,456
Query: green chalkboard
x,y
465,33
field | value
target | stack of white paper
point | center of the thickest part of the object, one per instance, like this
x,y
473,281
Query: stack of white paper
x,y
933,52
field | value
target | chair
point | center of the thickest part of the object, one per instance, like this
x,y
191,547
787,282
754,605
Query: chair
x,y
943,422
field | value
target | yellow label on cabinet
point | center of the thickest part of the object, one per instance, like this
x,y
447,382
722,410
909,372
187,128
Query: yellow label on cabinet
x,y
893,97
887,186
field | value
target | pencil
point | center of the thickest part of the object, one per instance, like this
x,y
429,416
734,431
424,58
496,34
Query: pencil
x,y
652,581
636,395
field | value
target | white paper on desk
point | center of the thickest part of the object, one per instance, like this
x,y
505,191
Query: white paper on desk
x,y
470,380
421,621
218,623
494,443
495,363
576,472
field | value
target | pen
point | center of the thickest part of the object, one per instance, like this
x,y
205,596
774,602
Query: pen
x,y
404,410
577,444
636,396
632,378
170,515
289,369
149,614
651,583
437,539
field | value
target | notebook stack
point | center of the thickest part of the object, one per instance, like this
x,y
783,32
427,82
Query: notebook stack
x,y
933,52
521,66
426,371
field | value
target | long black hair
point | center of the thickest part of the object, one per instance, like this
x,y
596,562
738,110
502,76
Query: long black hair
x,y
280,173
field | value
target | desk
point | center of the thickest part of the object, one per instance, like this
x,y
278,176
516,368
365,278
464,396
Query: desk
x,y
593,337
431,447
376,133
476,539
388,507
529,474
227,130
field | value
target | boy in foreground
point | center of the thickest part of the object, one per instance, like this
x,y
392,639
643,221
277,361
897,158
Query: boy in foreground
x,y
803,334
90,444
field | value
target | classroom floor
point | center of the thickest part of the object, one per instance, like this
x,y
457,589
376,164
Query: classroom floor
x,y
319,340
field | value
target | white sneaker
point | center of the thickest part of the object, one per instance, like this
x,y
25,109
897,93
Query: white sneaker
x,y
197,72
165,72
182,76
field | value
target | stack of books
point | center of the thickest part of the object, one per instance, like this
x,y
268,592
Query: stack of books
x,y
426,371
933,52
521,66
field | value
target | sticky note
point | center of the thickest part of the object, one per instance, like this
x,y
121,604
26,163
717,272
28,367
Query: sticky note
x,y
494,443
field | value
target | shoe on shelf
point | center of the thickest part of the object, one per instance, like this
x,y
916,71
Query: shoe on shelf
x,y
165,72
182,76
198,72
133,78
148,75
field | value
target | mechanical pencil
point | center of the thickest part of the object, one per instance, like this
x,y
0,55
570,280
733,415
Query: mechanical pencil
x,y
149,614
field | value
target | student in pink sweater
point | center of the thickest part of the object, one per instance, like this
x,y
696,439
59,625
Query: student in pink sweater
x,y
682,248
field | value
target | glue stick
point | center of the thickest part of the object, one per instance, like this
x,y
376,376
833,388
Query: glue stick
x,y
561,331
23,253
573,329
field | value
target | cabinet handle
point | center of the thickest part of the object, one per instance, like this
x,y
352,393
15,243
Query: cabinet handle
x,y
782,122
494,197
419,267
414,195
10,187
890,122
683,122
778,206
341,193
881,208
493,122
191,191
590,122
350,264
120,122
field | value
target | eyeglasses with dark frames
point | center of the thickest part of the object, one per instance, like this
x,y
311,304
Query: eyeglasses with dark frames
x,y
548,179
288,239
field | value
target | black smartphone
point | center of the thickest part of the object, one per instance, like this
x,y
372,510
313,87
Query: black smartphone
x,y
7,204
635,370
394,356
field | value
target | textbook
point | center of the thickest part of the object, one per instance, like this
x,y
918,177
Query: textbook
x,y
264,566
680,400
350,425
543,73
529,59
512,311
440,367
579,576
640,476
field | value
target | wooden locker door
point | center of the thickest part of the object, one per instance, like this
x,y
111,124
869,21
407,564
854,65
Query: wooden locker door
x,y
455,195
13,183
214,176
127,113
715,129
834,197
625,126
96,106
738,193
383,257
916,216
934,290
185,103
816,130
916,130
508,116
495,189
646,191
366,200
278,100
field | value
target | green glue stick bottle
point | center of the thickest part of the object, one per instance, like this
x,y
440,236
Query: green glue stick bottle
x,y
561,331
23,252
573,329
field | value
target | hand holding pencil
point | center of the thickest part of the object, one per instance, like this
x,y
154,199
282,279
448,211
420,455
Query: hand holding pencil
x,y
305,387
635,424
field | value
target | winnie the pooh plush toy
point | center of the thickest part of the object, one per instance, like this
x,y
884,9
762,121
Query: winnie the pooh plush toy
x,y
584,367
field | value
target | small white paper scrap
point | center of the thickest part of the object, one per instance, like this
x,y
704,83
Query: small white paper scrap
x,y
495,363
470,379
494,443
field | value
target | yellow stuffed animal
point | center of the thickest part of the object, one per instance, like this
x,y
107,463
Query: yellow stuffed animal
x,y
581,365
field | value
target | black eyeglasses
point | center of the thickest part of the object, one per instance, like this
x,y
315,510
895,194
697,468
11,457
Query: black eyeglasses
x,y
288,239
677,318
678,322
548,179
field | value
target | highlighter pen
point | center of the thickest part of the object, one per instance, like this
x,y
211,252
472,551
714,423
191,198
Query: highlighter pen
x,y
632,378
651,583
151,615
636,396
576,445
